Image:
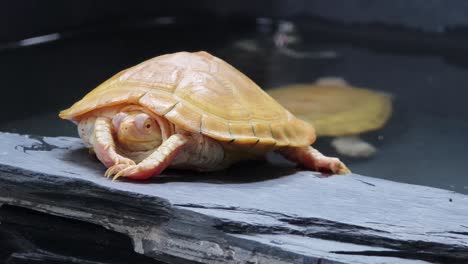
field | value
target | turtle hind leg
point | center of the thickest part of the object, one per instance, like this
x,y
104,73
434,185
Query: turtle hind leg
x,y
311,158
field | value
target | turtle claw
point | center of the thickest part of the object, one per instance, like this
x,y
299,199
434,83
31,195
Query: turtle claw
x,y
117,168
334,165
109,172
117,176
128,171
340,168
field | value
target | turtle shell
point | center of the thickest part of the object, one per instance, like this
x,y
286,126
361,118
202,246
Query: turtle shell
x,y
200,93
334,107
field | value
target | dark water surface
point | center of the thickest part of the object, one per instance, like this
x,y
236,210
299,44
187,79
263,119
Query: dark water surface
x,y
424,142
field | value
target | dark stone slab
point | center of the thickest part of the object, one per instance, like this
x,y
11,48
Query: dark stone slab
x,y
250,213
28,236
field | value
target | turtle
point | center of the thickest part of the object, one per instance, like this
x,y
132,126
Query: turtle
x,y
189,110
338,109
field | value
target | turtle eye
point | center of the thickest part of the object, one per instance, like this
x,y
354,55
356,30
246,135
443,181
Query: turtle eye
x,y
144,122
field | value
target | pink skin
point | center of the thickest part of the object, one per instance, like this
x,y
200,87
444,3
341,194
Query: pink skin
x,y
104,145
136,145
311,158
134,131
155,163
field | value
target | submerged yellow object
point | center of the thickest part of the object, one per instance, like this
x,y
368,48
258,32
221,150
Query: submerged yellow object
x,y
334,107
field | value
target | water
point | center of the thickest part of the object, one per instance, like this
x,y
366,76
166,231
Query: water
x,y
423,143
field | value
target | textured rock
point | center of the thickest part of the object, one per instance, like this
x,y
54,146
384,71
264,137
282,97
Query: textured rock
x,y
29,236
251,213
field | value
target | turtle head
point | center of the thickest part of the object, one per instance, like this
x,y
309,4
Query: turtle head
x,y
137,131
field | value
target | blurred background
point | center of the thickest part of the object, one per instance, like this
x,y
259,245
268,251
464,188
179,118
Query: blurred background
x,y
413,51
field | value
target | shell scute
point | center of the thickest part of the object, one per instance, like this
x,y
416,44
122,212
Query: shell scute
x,y
159,102
242,133
190,116
164,78
216,128
263,131
202,91
279,134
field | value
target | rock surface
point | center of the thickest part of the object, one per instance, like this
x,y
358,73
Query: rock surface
x,y
31,237
250,213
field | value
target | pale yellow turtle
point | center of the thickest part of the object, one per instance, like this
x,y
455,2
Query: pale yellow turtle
x,y
191,111
338,109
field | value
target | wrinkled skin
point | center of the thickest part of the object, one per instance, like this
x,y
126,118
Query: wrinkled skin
x,y
137,144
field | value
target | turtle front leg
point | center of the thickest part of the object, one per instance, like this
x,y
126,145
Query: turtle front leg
x,y
104,145
155,163
311,158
